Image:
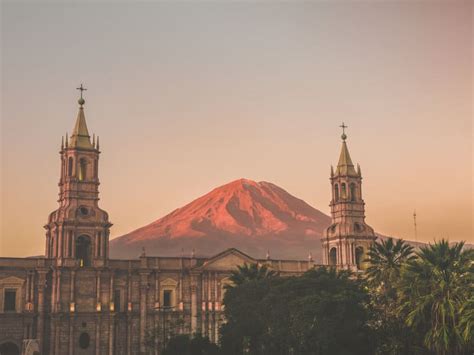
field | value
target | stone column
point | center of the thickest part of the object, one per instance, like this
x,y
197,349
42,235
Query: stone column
x,y
143,313
71,333
40,326
111,333
193,306
97,334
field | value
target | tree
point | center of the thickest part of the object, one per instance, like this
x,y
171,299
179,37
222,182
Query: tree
x,y
248,272
385,263
186,345
436,294
386,259
322,312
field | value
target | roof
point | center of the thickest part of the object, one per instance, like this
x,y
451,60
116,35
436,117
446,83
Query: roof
x,y
345,165
80,135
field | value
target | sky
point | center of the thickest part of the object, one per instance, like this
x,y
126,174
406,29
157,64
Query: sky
x,y
188,96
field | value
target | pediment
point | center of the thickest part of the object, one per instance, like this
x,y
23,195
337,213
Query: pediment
x,y
228,260
12,280
169,282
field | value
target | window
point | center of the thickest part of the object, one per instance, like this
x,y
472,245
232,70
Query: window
x,y
83,250
333,256
359,253
353,192
117,300
9,348
10,301
167,298
84,340
70,166
82,169
336,192
343,192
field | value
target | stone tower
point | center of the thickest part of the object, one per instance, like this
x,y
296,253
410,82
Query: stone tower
x,y
347,239
77,233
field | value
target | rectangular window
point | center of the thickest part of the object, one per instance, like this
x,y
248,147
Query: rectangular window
x,y
167,298
117,300
10,301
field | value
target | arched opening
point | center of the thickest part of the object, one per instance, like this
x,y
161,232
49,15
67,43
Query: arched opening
x,y
70,165
333,256
343,190
336,192
84,340
82,169
83,250
9,348
353,192
359,255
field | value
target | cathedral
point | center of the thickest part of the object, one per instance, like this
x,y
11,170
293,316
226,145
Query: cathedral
x,y
77,300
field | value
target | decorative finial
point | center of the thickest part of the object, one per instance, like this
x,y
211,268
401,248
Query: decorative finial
x,y
93,140
310,257
343,136
62,143
81,101
193,254
143,252
332,171
268,255
67,141
98,145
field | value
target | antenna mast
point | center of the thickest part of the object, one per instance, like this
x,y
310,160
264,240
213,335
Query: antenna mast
x,y
414,223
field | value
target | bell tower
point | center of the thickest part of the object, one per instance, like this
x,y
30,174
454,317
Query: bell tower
x,y
77,233
347,239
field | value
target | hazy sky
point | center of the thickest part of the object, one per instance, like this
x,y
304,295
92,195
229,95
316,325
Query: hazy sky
x,y
189,96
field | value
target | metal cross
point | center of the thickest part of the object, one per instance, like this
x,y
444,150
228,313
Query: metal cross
x,y
343,126
81,88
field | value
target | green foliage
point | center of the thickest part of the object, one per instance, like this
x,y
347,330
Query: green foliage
x,y
185,345
385,263
250,272
435,296
386,259
322,312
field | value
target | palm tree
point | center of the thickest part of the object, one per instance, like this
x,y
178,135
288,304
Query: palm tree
x,y
434,294
385,263
249,272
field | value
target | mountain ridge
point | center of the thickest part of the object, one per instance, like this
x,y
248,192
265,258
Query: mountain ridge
x,y
252,216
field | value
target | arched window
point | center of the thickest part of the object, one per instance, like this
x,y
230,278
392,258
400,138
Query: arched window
x,y
84,340
9,348
336,192
353,192
82,169
83,250
343,188
333,256
359,255
70,165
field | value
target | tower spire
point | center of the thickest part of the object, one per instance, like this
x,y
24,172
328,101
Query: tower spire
x,y
80,137
345,165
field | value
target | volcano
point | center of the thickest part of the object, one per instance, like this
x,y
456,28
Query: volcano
x,y
254,217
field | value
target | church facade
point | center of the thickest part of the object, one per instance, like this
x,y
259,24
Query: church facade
x,y
76,300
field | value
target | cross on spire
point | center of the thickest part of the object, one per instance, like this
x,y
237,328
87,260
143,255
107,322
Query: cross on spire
x,y
81,101
81,88
343,136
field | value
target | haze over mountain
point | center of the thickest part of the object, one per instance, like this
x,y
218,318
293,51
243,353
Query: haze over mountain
x,y
254,217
